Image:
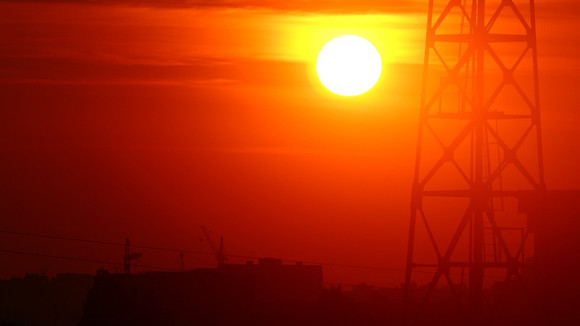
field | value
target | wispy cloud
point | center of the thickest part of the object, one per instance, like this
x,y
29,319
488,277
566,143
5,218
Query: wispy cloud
x,y
120,81
228,150
87,71
331,6
550,7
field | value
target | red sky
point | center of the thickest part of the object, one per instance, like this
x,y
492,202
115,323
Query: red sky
x,y
146,119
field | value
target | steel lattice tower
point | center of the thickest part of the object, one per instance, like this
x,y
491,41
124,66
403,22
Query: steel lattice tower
x,y
479,144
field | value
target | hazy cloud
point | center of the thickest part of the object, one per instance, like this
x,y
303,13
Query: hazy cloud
x,y
335,6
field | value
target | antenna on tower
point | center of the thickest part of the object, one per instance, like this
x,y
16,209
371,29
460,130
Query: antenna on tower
x,y
129,257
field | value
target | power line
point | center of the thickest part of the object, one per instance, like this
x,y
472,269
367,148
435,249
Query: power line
x,y
100,242
79,259
110,243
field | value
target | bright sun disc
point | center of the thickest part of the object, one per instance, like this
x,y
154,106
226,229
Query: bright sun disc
x,y
348,65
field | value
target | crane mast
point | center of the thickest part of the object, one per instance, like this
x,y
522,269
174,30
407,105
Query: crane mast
x,y
218,252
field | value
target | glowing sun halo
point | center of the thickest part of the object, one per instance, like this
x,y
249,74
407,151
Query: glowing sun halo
x,y
348,65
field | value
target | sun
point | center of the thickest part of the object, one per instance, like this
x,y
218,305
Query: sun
x,y
348,65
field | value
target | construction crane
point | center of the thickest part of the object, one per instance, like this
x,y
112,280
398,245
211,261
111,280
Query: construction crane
x,y
218,252
129,257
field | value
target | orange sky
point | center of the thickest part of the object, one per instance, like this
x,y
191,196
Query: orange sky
x,y
148,120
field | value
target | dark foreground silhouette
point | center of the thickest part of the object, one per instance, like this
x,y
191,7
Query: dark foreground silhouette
x,y
231,295
267,293
273,294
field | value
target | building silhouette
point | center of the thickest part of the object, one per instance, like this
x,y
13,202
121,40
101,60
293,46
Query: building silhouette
x,y
263,293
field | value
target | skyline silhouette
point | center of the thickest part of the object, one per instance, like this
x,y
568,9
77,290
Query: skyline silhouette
x,y
125,126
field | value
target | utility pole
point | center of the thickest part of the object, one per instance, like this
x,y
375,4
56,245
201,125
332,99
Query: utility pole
x,y
181,262
129,257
